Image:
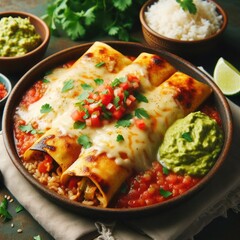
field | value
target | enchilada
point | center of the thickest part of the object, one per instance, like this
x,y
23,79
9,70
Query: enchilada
x,y
149,94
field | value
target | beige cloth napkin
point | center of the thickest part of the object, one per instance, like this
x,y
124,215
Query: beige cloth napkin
x,y
180,222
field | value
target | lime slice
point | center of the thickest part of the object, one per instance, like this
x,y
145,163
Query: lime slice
x,y
227,77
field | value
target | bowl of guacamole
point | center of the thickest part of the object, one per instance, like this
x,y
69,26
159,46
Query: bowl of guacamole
x,y
191,145
17,36
24,39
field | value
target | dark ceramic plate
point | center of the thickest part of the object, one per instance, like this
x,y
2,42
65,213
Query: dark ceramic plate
x,y
133,49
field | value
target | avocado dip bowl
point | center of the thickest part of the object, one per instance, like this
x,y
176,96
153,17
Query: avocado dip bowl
x,y
24,41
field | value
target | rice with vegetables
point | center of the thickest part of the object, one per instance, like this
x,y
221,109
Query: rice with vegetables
x,y
167,18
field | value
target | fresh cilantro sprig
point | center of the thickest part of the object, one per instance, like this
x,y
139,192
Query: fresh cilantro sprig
x,y
67,85
4,210
188,5
88,19
46,108
85,141
28,129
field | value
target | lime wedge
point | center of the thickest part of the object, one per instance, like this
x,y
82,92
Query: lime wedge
x,y
227,77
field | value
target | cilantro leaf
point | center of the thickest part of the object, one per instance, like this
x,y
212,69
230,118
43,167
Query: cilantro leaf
x,y
46,108
122,5
27,129
124,122
165,170
188,5
83,96
187,136
88,19
79,125
141,113
140,97
38,237
100,64
165,193
99,81
119,138
68,85
3,210
19,208
87,87
84,141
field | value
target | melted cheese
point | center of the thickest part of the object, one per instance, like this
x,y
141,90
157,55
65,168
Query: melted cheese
x,y
139,147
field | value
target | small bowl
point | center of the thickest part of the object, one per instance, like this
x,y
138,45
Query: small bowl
x,y
184,48
20,64
6,82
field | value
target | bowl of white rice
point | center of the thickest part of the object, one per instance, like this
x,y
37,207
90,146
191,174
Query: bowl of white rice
x,y
186,32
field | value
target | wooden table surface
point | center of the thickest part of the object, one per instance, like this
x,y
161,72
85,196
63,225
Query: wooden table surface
x,y
221,228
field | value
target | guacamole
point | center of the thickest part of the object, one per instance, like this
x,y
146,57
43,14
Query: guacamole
x,y
17,36
191,145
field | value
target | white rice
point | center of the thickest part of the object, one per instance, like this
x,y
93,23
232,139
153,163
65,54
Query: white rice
x,y
167,18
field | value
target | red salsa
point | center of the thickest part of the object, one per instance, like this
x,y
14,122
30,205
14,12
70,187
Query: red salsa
x,y
3,91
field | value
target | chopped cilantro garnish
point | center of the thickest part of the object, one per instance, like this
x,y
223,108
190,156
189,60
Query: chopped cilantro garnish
x,y
124,122
188,5
68,85
99,81
117,81
79,125
165,170
19,208
27,129
141,113
38,237
100,64
120,138
45,80
46,108
83,96
87,87
126,95
165,193
3,210
187,136
84,141
140,97
116,101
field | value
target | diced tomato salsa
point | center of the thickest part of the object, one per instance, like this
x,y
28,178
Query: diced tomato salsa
x,y
154,186
108,102
3,91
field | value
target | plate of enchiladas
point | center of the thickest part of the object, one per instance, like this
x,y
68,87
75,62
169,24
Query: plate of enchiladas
x,y
116,128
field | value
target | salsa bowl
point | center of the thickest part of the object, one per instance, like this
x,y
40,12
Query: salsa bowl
x,y
129,49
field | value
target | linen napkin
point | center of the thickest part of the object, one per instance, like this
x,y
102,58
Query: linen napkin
x,y
180,222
